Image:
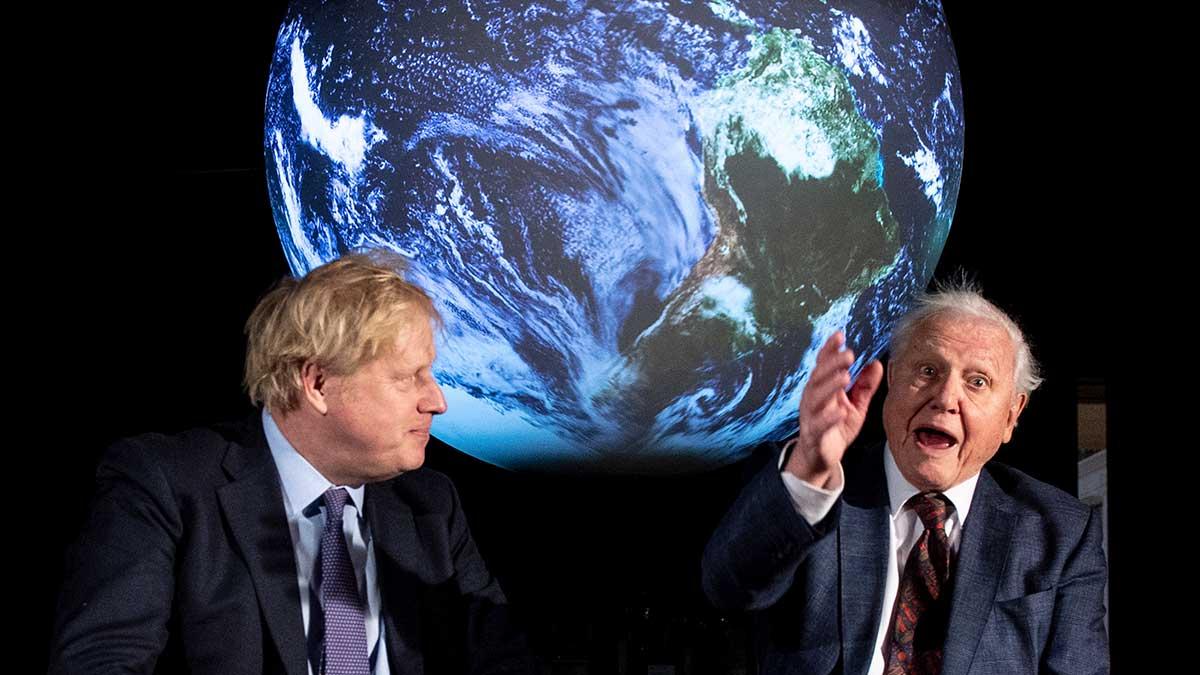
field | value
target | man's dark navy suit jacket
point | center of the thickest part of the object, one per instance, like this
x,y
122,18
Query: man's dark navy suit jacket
x,y
186,565
1028,582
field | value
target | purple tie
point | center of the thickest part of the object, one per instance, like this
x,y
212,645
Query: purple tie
x,y
345,630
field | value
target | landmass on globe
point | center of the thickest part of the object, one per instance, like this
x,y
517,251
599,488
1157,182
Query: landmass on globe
x,y
638,219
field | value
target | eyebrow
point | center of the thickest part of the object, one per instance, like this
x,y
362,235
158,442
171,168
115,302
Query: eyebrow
x,y
927,351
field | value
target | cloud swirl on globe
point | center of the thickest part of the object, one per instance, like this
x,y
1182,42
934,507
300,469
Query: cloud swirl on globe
x,y
638,219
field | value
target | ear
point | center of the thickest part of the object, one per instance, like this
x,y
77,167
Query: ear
x,y
1014,412
313,379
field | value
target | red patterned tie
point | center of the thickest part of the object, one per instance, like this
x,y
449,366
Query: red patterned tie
x,y
923,602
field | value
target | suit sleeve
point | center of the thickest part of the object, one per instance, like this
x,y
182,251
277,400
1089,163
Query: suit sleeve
x,y
1078,642
752,557
118,584
495,644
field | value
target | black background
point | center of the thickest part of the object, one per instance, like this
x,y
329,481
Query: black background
x,y
158,241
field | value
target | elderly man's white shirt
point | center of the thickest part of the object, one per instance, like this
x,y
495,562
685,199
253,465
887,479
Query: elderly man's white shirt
x,y
813,503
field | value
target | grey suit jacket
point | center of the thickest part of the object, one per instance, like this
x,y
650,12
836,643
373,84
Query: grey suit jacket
x,y
1028,581
186,565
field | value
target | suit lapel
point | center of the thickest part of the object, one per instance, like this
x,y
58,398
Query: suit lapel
x,y
981,559
394,536
392,529
863,549
253,508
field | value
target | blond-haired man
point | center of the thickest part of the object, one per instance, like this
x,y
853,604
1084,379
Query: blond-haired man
x,y
308,540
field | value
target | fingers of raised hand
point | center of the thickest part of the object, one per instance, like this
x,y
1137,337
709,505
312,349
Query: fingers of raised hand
x,y
830,374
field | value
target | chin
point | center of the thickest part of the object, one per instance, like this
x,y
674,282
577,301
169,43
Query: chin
x,y
390,471
411,462
932,478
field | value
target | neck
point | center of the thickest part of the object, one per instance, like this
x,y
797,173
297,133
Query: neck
x,y
306,438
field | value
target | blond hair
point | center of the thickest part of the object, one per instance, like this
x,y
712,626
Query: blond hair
x,y
340,316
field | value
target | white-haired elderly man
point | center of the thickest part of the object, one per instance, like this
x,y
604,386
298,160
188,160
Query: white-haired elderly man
x,y
918,556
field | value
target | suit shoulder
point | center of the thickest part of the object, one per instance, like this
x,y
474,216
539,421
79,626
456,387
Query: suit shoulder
x,y
1031,494
186,455
1055,539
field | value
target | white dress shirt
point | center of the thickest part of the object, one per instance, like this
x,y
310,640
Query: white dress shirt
x,y
814,503
303,487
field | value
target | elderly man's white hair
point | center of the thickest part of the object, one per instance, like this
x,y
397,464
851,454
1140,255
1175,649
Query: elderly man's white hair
x,y
959,298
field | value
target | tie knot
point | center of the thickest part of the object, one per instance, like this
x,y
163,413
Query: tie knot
x,y
932,508
335,501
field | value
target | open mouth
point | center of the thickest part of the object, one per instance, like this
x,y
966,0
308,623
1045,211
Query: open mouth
x,y
934,439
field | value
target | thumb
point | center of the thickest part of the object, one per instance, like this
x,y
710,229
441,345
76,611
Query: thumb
x,y
865,386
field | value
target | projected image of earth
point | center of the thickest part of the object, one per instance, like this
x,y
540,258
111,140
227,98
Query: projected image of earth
x,y
639,220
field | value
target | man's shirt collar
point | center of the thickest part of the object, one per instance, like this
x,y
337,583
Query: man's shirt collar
x,y
302,483
899,489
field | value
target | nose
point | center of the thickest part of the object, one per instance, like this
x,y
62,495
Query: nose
x,y
947,395
432,399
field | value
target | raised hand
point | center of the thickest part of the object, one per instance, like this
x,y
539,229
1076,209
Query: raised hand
x,y
831,416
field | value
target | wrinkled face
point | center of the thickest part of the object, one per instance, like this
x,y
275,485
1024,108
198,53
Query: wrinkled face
x,y
379,416
951,399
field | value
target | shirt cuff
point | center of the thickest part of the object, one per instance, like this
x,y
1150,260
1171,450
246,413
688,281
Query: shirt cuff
x,y
812,503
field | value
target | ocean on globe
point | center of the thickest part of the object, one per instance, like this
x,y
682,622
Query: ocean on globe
x,y
639,220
